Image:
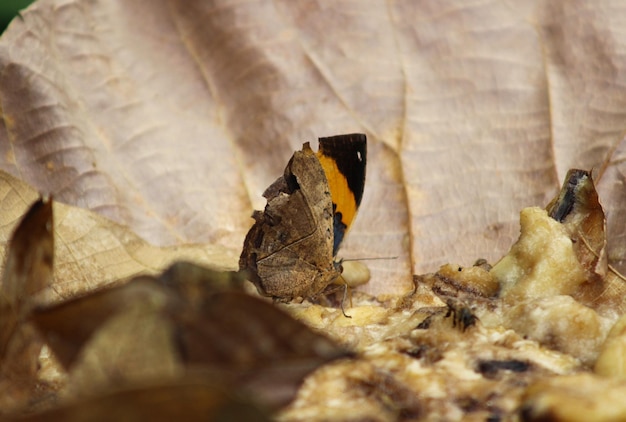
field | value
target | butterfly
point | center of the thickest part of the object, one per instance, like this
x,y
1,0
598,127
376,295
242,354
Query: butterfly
x,y
291,249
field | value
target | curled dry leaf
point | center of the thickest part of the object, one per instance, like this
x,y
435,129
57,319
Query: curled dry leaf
x,y
253,344
27,273
69,326
29,262
191,320
241,337
28,268
577,207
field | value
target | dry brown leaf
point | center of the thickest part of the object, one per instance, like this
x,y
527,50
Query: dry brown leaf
x,y
28,268
28,272
187,322
67,327
29,261
172,117
577,208
92,251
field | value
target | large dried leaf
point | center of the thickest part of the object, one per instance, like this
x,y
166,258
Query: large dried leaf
x,y
173,116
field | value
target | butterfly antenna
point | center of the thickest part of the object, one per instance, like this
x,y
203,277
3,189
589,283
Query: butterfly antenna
x,y
368,259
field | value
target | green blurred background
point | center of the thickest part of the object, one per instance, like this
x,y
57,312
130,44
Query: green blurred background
x,y
9,9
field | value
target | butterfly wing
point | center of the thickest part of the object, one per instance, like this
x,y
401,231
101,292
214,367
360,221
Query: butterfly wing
x,y
288,251
343,159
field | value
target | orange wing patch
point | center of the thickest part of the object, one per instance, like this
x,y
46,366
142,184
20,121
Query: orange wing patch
x,y
343,198
343,159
